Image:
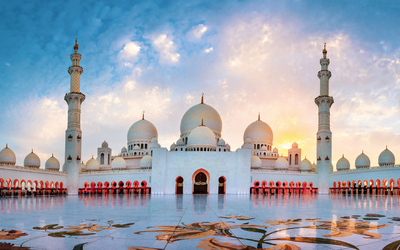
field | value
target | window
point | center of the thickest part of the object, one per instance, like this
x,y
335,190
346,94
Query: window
x,y
108,159
296,159
102,159
290,159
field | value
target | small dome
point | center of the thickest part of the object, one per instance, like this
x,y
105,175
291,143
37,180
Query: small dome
x,y
32,160
305,165
136,147
201,136
275,150
228,147
342,164
7,156
104,144
180,142
142,130
118,162
247,140
124,150
173,146
363,161
83,166
259,131
154,140
52,163
146,161
221,142
255,161
295,145
192,118
386,158
92,164
314,166
281,163
264,148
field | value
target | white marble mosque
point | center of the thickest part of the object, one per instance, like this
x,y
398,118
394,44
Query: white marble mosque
x,y
200,161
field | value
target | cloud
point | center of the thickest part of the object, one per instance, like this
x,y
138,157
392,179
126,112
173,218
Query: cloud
x,y
196,32
130,52
166,47
209,50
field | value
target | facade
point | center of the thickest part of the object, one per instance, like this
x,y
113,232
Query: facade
x,y
200,161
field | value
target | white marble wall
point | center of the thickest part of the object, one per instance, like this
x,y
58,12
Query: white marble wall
x,y
168,165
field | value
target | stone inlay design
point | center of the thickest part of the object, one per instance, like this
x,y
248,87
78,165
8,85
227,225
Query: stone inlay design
x,y
212,233
11,235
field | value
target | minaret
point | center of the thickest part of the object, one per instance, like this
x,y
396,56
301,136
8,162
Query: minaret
x,y
324,134
73,134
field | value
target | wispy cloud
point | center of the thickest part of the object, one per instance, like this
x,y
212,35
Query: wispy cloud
x,y
167,49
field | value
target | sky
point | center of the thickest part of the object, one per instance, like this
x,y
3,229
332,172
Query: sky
x,y
160,56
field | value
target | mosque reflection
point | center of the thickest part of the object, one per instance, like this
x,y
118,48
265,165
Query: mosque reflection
x,y
200,202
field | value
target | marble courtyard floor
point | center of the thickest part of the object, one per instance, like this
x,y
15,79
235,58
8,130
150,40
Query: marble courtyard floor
x,y
200,222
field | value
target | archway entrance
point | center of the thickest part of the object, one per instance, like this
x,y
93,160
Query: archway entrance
x,y
221,185
200,184
179,185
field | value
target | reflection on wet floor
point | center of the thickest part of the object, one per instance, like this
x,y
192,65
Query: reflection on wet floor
x,y
330,221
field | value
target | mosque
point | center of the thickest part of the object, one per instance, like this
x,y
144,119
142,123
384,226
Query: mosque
x,y
200,161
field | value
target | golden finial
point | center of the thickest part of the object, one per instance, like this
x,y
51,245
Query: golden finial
x,y
202,98
32,150
76,47
342,155
202,124
6,145
258,115
82,162
324,51
386,147
143,116
92,156
363,151
52,155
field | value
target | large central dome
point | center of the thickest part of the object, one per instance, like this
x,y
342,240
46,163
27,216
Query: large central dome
x,y
192,118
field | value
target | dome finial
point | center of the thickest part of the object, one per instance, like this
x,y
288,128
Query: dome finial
x,y
324,51
143,116
32,150
259,116
6,145
92,156
202,124
363,151
52,155
342,155
202,98
386,147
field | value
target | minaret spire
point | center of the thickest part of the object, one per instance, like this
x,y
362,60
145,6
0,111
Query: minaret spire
x,y
324,134
75,70
259,116
73,134
143,116
202,98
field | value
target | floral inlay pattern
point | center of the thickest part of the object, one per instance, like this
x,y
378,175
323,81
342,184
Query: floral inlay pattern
x,y
11,235
343,228
194,231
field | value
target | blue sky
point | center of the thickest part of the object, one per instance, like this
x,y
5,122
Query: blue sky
x,y
159,56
